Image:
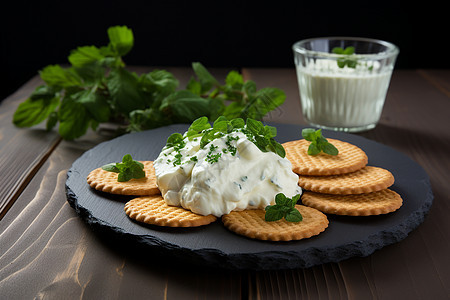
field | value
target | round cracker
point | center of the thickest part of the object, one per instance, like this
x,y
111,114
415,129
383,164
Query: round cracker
x,y
251,223
349,159
105,181
154,210
376,203
366,180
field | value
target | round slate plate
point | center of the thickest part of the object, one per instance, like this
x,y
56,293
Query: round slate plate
x,y
214,245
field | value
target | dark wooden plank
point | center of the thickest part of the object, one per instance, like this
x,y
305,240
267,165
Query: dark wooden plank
x,y
19,160
439,78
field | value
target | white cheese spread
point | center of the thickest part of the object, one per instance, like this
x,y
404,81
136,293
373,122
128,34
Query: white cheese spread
x,y
229,173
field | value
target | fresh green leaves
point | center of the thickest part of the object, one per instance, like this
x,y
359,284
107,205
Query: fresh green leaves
x,y
175,139
221,127
98,88
263,137
38,107
345,61
258,133
284,207
128,169
318,142
121,40
197,127
82,96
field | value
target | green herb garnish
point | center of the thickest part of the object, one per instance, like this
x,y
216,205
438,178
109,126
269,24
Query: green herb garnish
x,y
98,88
350,62
221,127
127,169
261,135
284,207
318,142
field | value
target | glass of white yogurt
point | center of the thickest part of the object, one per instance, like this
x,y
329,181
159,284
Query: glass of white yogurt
x,y
343,92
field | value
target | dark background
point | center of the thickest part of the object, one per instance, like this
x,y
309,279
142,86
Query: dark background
x,y
230,34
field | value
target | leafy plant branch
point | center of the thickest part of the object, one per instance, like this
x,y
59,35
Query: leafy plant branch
x,y
97,88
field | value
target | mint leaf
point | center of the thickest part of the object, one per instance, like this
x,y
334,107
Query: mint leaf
x,y
263,137
40,105
330,149
94,103
237,123
159,83
185,106
273,214
293,215
318,142
194,87
85,55
111,168
206,80
284,207
313,149
197,127
234,80
124,92
32,112
121,39
55,75
127,169
351,62
175,139
91,74
74,120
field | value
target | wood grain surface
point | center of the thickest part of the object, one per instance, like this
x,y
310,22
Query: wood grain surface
x,y
47,252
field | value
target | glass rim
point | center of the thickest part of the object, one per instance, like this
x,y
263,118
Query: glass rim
x,y
392,49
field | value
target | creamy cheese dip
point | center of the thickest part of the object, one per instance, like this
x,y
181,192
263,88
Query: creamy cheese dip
x,y
230,173
343,97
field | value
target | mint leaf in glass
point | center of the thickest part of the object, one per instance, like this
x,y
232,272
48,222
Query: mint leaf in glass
x,y
350,62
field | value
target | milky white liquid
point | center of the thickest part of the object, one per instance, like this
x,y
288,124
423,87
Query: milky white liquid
x,y
348,99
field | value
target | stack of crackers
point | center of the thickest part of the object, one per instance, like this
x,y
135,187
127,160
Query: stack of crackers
x,y
341,184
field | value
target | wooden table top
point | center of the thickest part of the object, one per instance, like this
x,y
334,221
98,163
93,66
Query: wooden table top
x,y
47,251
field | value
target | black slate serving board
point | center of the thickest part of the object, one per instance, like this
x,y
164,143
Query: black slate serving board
x,y
214,245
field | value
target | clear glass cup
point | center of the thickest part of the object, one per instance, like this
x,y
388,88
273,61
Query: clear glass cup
x,y
343,92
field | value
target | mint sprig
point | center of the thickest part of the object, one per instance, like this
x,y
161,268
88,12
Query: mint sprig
x,y
258,133
263,137
98,88
284,207
128,169
349,61
221,127
318,142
